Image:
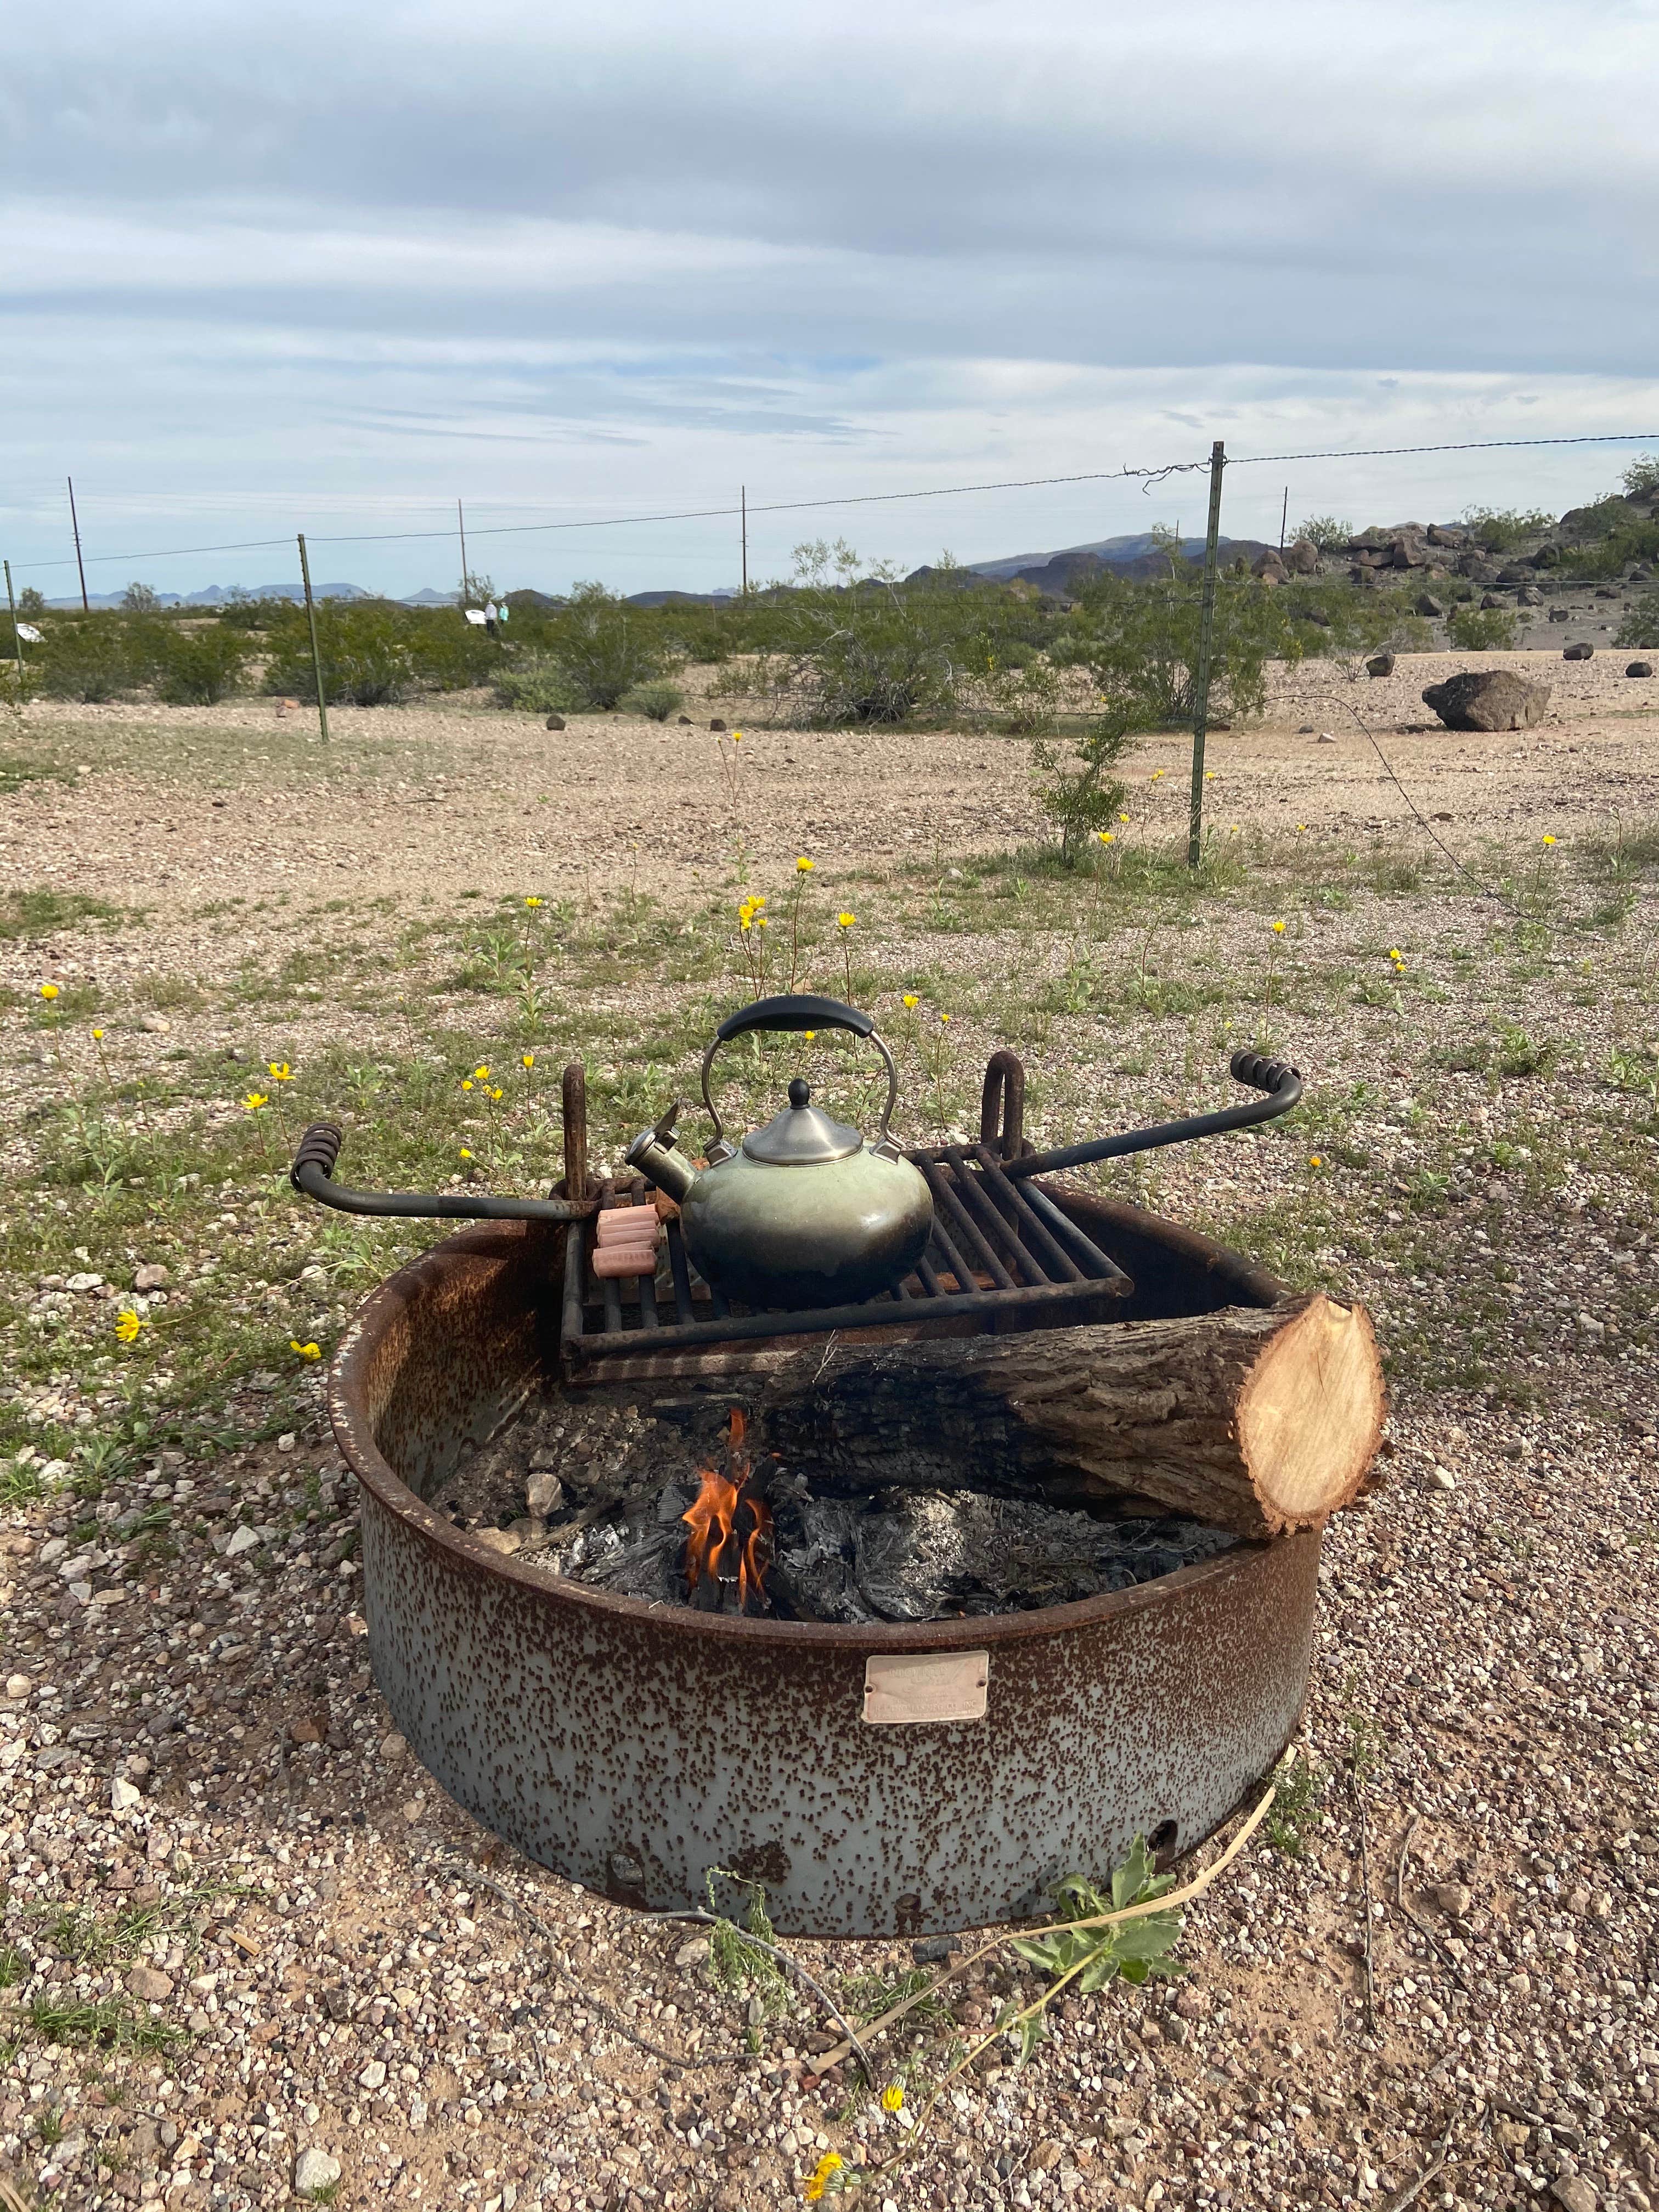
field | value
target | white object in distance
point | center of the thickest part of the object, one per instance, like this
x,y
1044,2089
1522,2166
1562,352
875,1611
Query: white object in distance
x,y
475,615
29,634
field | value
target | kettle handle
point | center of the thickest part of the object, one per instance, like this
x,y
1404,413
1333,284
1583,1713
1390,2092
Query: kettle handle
x,y
795,1010
800,1010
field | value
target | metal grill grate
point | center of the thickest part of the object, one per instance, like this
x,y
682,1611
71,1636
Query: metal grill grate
x,y
1002,1255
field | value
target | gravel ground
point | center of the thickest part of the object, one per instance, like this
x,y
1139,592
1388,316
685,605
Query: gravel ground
x,y
210,1829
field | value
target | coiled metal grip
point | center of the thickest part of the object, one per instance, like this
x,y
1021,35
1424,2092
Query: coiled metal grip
x,y
320,1147
312,1174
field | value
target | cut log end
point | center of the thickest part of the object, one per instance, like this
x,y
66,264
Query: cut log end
x,y
1309,1414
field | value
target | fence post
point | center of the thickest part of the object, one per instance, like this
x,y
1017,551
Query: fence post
x,y
316,650
1201,677
16,639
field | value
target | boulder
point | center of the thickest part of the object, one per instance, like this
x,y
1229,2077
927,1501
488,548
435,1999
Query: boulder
x,y
1302,559
1379,664
1488,601
1268,568
556,721
1442,533
1513,572
1578,652
1489,699
1408,549
1561,614
1547,556
1426,604
1640,668
1478,569
716,723
1529,596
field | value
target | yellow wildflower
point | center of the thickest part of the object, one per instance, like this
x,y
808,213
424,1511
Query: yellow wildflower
x,y
944,1021
305,1351
845,921
736,737
128,1324
481,1075
279,1070
818,2180
1107,836
528,1059
1122,817
809,1035
49,991
892,2097
760,921
1158,772
255,1100
1279,929
804,866
1315,1161
1548,840
911,1000
465,1155
98,1036
496,1092
532,901
466,1083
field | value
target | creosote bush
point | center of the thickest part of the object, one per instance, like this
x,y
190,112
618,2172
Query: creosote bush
x,y
656,701
1481,629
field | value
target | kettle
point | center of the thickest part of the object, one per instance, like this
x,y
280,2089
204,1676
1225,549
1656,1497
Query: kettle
x,y
802,1213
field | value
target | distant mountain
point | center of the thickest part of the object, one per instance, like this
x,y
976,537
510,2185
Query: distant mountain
x,y
219,595
1136,555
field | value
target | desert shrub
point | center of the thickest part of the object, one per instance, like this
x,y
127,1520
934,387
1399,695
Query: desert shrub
x,y
1641,479
365,650
1074,778
1325,531
535,684
243,611
1138,644
1603,559
448,653
1481,629
656,701
92,657
31,601
842,648
195,667
603,645
1500,530
1641,622
701,633
139,599
1335,621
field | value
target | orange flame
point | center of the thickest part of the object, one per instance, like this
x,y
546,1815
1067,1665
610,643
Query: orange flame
x,y
716,1547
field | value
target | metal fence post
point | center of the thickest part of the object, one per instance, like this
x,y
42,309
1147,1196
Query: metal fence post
x,y
16,636
1201,675
316,650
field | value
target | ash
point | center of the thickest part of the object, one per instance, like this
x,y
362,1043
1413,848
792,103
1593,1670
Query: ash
x,y
592,1490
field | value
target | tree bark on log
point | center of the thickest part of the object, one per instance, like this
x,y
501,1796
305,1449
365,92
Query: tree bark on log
x,y
1258,1420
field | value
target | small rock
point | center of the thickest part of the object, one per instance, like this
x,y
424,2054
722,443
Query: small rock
x,y
84,1283
314,2169
933,1950
693,1952
149,1985
1379,664
556,721
684,720
717,724
151,1275
156,1024
122,1796
243,1541
1640,668
544,1492
1443,1477
496,1539
392,1747
18,1686
1452,1898
417,2112
287,1442
1324,738
373,2074
1578,652
1426,604
1574,2193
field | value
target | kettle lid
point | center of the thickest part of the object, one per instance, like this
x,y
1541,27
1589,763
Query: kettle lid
x,y
801,1133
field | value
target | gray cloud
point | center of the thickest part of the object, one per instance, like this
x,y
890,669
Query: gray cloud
x,y
604,260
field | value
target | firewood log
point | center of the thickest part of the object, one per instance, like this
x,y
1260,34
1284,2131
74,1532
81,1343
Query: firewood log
x,y
1255,1419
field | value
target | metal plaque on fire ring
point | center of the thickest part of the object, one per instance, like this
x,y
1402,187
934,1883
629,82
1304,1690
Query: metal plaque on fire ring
x,y
926,1685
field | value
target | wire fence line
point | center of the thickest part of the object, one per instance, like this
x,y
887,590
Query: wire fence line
x,y
1147,476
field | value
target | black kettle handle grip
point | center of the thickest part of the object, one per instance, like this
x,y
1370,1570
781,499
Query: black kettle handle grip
x,y
795,1010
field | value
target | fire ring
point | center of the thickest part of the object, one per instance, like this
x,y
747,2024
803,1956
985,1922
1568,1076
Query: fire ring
x,y
880,1780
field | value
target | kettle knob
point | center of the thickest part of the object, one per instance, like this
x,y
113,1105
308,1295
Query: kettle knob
x,y
800,1092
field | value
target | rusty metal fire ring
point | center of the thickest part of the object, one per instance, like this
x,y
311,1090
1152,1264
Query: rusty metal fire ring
x,y
631,1748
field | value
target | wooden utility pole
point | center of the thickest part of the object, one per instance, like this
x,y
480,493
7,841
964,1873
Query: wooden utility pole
x,y
1283,517
461,518
75,525
1201,675
316,650
743,499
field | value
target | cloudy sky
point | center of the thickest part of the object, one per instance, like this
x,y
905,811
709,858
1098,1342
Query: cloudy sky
x,y
326,268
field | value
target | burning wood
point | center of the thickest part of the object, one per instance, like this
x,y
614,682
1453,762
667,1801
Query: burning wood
x,y
729,1541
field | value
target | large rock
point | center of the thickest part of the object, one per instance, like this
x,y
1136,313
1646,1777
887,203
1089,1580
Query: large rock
x,y
1442,533
1379,664
1302,558
315,2169
1269,566
1489,699
1409,549
1478,569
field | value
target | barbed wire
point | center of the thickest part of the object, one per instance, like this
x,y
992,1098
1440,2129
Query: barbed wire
x,y
1147,478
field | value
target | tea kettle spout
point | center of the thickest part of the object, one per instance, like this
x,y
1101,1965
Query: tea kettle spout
x,y
654,1154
